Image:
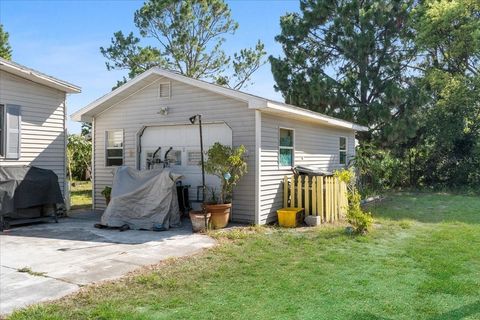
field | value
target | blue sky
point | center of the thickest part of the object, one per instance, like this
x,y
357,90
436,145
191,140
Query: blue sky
x,y
62,39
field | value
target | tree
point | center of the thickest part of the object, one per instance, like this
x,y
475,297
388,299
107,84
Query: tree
x,y
349,59
448,36
185,36
5,48
86,129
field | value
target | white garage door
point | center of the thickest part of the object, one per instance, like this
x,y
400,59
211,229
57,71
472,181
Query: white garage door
x,y
185,154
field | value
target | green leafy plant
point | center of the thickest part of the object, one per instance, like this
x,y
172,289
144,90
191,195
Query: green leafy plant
x,y
107,192
360,220
229,165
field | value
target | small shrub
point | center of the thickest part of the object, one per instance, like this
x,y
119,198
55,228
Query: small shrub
x,y
360,220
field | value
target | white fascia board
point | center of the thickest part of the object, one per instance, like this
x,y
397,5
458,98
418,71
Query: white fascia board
x,y
37,77
307,114
78,116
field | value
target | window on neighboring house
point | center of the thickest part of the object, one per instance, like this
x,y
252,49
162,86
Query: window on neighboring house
x,y
114,148
342,150
10,131
286,148
164,90
2,129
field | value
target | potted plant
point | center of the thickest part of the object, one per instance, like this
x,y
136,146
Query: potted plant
x,y
107,192
229,165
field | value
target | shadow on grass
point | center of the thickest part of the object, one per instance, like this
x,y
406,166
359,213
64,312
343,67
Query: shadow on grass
x,y
455,314
428,207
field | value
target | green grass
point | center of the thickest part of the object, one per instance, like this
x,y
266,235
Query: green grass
x,y
421,261
81,195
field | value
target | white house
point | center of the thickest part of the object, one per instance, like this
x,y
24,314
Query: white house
x,y
33,118
152,111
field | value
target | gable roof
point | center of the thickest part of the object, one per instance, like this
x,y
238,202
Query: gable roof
x,y
37,76
254,102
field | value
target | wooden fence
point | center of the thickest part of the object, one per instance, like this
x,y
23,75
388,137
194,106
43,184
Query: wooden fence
x,y
323,196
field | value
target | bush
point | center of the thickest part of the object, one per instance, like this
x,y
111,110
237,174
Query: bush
x,y
360,220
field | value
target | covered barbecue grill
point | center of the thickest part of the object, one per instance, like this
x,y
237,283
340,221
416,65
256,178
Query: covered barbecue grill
x,y
28,194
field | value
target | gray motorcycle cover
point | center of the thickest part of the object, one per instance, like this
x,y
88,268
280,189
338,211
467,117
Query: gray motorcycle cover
x,y
143,200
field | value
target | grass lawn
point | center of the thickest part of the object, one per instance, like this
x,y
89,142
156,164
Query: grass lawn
x,y
81,195
422,261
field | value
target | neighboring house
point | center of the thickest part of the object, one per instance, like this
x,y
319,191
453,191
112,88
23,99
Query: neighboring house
x,y
153,110
33,118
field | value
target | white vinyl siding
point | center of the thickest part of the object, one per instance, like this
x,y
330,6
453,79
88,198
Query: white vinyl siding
x,y
315,145
42,123
141,109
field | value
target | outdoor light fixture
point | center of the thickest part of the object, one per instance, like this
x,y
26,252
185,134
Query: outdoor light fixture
x,y
192,121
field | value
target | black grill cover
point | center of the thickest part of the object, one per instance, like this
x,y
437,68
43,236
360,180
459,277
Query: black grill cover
x,y
25,187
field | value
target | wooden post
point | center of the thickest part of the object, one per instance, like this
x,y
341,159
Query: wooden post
x,y
307,195
285,191
320,197
299,192
314,196
292,192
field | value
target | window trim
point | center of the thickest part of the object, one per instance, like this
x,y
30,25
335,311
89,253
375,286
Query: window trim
x,y
169,83
341,150
283,147
116,148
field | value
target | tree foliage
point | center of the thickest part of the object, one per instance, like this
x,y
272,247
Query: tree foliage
x,y
5,48
79,157
348,59
185,36
229,165
409,70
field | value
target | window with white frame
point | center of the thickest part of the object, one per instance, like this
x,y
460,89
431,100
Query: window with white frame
x,y
342,155
286,148
114,148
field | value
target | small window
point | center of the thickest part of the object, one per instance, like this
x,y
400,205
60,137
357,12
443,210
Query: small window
x,y
343,150
286,148
114,148
194,158
164,90
2,130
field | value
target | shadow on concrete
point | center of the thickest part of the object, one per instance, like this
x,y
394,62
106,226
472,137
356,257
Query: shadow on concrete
x,y
79,226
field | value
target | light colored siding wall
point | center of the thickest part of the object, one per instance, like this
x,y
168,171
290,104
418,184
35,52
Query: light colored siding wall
x,y
141,109
43,123
315,145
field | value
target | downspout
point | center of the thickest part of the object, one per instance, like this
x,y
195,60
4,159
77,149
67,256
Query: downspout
x,y
93,163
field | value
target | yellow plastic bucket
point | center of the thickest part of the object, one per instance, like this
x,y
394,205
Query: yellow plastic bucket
x,y
287,217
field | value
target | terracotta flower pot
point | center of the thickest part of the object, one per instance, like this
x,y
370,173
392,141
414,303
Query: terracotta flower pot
x,y
220,214
198,221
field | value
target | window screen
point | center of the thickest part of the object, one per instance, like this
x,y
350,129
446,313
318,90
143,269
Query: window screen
x,y
286,148
343,150
114,148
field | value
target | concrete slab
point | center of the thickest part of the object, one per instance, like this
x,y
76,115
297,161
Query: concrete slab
x,y
72,253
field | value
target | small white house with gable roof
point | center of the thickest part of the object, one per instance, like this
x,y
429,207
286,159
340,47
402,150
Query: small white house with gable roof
x,y
151,113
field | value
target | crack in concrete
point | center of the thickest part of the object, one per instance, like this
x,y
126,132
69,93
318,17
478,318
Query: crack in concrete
x,y
41,274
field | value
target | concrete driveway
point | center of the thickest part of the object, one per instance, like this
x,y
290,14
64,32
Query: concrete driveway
x,y
47,261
